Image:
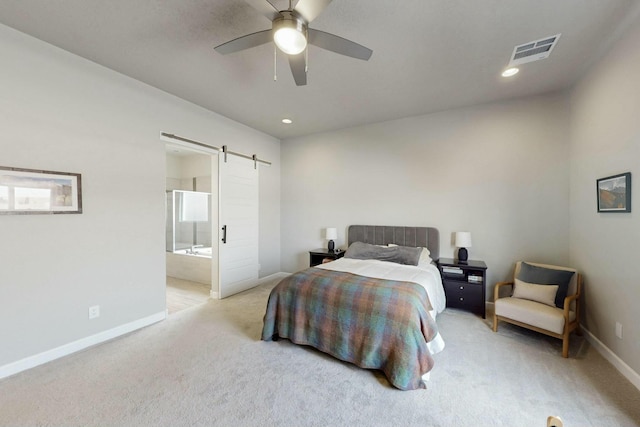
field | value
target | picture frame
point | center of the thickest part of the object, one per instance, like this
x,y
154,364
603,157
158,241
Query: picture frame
x,y
614,193
32,191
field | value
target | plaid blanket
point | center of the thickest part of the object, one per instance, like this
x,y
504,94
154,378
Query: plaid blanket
x,y
372,323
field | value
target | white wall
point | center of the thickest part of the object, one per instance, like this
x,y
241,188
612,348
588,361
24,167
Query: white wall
x,y
605,139
499,170
63,113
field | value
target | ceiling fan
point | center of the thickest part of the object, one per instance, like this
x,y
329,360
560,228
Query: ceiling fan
x,y
291,33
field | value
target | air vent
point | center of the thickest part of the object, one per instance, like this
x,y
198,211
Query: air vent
x,y
533,51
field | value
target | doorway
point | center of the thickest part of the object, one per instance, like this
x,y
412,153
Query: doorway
x,y
229,217
191,224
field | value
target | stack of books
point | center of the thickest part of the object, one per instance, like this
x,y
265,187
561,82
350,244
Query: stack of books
x,y
474,279
453,271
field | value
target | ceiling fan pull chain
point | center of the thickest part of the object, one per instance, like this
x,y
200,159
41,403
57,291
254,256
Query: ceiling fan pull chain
x,y
306,60
275,63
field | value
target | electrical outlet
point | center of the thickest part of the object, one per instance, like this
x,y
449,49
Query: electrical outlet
x,y
94,311
619,330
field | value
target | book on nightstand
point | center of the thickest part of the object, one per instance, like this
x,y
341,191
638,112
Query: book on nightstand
x,y
452,270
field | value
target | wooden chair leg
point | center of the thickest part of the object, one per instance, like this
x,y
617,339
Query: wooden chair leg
x,y
565,344
495,323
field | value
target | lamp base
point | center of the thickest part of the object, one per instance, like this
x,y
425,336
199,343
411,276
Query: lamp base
x,y
462,255
331,246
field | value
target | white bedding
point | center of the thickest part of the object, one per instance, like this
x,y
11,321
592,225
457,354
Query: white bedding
x,y
426,275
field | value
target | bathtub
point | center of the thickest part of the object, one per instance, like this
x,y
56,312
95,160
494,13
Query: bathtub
x,y
182,264
201,252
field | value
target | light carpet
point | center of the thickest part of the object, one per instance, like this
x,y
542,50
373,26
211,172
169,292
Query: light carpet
x,y
207,366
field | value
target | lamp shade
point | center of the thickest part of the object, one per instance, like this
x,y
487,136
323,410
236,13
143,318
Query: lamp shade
x,y
331,233
463,239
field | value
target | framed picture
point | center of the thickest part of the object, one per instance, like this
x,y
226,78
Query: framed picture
x,y
28,191
614,193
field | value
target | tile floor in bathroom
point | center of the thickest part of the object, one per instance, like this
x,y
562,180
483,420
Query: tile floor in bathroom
x,y
182,294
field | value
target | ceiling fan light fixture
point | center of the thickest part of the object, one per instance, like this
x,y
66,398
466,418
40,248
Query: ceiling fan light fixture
x,y
290,34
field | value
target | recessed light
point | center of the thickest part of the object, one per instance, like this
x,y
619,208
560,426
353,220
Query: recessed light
x,y
510,72
287,121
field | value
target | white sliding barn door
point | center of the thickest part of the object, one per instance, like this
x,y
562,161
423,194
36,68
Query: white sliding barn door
x,y
238,220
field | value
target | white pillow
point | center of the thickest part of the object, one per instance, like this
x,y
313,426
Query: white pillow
x,y
545,294
425,258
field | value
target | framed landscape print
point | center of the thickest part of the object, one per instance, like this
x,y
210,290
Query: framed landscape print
x,y
614,193
30,191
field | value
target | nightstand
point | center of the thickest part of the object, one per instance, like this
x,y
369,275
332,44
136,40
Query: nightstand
x,y
464,284
318,256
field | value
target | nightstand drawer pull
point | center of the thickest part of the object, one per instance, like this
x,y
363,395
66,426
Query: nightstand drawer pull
x,y
461,288
461,299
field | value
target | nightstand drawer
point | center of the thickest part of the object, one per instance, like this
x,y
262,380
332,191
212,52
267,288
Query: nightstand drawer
x,y
463,295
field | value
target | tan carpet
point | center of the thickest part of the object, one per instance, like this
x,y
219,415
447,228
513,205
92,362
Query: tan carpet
x,y
206,366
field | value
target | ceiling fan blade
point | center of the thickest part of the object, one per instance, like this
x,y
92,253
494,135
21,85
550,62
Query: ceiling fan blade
x,y
310,9
265,8
245,42
339,45
298,64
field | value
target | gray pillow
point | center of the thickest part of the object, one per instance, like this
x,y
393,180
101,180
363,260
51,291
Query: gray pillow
x,y
398,254
547,276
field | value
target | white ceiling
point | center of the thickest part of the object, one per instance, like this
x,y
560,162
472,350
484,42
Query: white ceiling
x,y
428,55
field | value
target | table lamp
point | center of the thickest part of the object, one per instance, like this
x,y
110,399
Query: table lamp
x,y
463,241
330,235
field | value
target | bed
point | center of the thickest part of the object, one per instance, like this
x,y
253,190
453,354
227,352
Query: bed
x,y
374,313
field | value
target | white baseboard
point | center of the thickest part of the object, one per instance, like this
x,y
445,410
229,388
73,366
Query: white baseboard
x,y
618,363
280,275
66,349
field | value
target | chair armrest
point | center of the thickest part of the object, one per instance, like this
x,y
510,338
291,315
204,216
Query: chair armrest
x,y
567,303
570,298
496,289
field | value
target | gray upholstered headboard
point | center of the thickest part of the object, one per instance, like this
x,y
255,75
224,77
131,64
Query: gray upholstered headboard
x,y
426,237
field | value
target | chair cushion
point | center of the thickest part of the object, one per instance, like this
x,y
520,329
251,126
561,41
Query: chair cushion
x,y
547,276
533,313
545,294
